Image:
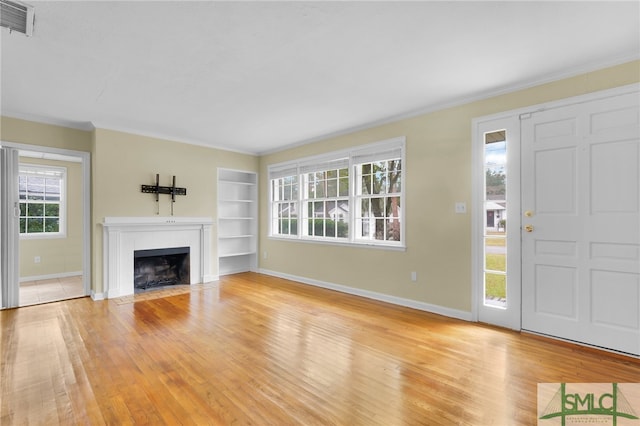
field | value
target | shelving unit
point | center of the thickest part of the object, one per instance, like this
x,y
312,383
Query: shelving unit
x,y
237,221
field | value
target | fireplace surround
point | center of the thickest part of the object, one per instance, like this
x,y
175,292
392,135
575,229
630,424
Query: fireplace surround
x,y
123,236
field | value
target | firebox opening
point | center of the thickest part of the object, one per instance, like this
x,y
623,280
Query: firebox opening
x,y
160,267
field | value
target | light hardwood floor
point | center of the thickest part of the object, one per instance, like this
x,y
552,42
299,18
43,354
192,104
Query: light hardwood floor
x,y
265,351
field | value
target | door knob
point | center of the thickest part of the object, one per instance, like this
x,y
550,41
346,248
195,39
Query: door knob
x,y
528,228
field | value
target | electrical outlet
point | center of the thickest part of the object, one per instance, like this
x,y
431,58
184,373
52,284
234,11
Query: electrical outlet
x,y
36,259
414,276
264,254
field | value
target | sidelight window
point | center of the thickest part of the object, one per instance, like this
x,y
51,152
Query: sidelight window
x,y
495,210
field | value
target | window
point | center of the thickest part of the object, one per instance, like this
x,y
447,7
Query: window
x,y
285,205
495,229
378,199
41,192
326,201
352,196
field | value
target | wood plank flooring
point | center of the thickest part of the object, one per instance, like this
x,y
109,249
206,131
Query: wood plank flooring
x,y
265,351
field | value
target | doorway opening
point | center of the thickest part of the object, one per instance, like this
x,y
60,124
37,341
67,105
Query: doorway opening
x,y
50,220
46,200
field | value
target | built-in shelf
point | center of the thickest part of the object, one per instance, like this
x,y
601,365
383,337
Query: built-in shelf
x,y
246,253
237,221
233,182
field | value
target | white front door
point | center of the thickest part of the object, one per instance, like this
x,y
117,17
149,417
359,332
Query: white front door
x,y
581,222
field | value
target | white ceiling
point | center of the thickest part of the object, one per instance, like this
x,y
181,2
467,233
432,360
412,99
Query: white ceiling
x,y
259,76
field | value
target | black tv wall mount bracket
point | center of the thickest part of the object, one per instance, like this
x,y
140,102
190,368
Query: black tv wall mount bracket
x,y
170,190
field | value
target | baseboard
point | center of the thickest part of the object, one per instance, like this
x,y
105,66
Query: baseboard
x,y
97,296
209,278
50,276
422,306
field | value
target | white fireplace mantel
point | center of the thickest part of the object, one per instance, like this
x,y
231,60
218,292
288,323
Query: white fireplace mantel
x,y
124,235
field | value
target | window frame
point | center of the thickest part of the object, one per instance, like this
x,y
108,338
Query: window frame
x,y
349,158
31,169
283,201
309,202
383,194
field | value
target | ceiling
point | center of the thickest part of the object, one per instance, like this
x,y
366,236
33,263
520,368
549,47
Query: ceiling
x,y
258,77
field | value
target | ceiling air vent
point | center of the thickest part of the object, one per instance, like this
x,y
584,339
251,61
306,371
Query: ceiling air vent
x,y
16,16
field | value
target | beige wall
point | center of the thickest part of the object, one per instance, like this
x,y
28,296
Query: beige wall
x,y
122,162
438,173
32,133
57,255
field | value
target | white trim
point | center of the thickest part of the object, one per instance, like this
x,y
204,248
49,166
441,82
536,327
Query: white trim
x,y
90,126
337,242
97,296
460,101
606,93
166,137
394,300
50,276
44,236
123,235
155,220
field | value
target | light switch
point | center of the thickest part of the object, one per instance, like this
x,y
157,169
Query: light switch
x,y
461,207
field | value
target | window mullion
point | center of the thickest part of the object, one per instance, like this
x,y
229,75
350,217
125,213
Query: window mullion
x,y
303,189
353,204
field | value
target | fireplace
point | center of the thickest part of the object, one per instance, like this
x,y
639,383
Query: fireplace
x,y
124,236
160,267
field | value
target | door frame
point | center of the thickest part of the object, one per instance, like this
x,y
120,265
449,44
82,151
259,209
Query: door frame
x,y
85,158
477,179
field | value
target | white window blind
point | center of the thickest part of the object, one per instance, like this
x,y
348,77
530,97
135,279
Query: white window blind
x,y
47,171
280,172
370,157
325,165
